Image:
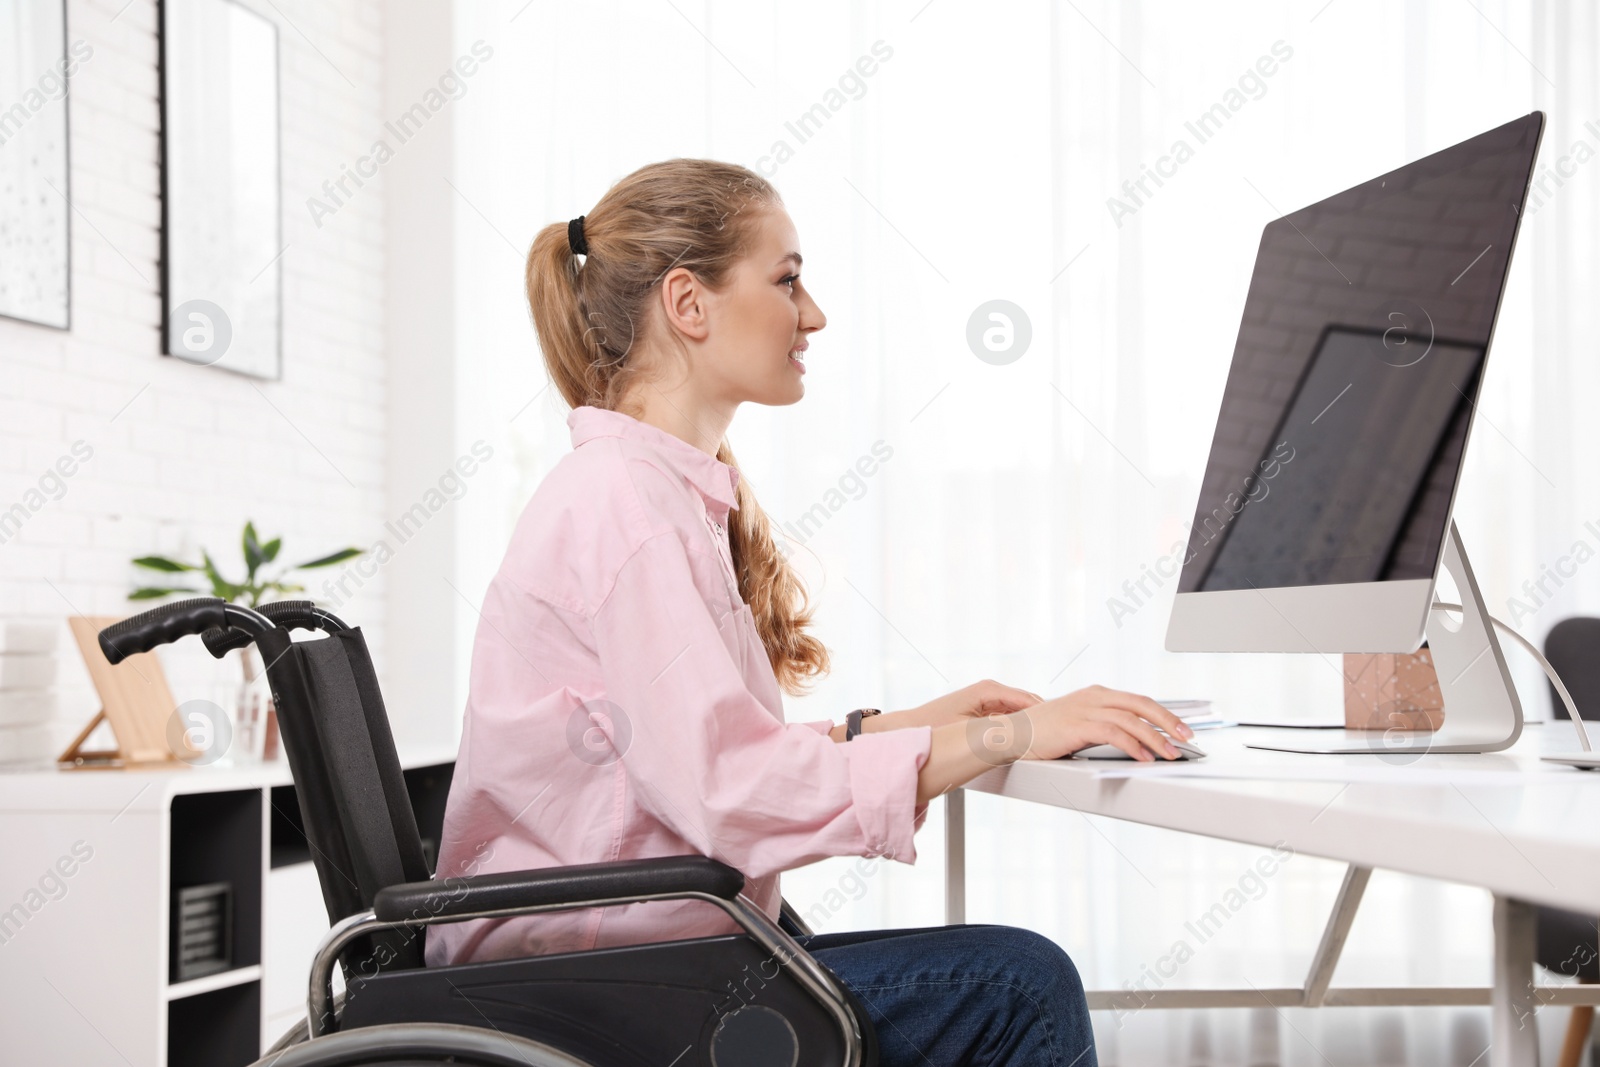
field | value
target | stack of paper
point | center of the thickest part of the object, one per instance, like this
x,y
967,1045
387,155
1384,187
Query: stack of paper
x,y
1197,713
27,690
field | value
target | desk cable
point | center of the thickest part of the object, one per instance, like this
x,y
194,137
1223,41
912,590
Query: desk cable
x,y
1550,672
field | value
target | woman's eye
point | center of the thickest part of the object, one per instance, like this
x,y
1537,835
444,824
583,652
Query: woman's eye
x,y
789,279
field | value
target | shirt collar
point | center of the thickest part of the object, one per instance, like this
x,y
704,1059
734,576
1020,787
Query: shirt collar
x,y
715,480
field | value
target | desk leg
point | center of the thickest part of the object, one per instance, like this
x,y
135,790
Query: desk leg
x,y
1513,1033
1334,934
955,856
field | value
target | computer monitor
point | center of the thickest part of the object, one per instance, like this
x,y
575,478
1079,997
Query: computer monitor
x,y
1326,502
1325,512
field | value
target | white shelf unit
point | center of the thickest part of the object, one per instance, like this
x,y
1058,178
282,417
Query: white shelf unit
x,y
91,863
221,980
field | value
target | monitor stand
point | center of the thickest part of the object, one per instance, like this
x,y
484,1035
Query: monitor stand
x,y
1481,709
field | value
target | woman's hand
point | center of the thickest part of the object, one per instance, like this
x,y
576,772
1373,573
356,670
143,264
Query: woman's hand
x,y
1095,716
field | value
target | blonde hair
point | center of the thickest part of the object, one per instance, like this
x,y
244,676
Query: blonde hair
x,y
692,213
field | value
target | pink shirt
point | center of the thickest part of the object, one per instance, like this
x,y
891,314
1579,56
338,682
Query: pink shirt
x,y
622,706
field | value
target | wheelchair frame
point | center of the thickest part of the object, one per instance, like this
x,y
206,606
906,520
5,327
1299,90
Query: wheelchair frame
x,y
416,905
773,938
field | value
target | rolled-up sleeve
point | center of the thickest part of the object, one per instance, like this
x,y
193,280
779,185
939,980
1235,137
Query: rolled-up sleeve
x,y
702,754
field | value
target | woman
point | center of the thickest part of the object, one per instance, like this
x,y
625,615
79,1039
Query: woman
x,y
625,677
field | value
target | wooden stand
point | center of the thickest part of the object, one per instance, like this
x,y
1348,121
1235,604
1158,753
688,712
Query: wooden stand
x,y
1392,691
134,700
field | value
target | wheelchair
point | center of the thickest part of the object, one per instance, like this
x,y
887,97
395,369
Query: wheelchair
x,y
749,999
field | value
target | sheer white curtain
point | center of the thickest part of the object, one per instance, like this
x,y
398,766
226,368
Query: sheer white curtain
x,y
958,154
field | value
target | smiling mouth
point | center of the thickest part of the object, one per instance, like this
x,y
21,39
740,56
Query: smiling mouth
x,y
797,358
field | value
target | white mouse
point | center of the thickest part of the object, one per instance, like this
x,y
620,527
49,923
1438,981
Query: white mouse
x,y
1186,750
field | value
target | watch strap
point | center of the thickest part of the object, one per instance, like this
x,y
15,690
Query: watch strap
x,y
852,721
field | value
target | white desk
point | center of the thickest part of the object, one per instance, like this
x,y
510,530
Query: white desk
x,y
1527,831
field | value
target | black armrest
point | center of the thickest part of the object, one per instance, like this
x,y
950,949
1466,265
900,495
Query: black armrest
x,y
558,885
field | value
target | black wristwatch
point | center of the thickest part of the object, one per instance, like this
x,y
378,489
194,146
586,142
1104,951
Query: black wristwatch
x,y
852,721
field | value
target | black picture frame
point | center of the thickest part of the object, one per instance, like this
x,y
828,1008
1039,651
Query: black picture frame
x,y
171,253
65,325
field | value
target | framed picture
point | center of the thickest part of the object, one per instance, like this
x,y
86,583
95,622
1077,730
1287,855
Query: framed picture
x,y
220,198
35,171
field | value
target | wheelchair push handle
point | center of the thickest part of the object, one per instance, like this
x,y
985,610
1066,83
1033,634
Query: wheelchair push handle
x,y
284,614
170,622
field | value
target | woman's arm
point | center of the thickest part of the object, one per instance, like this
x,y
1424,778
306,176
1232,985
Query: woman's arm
x,y
987,697
705,757
960,751
988,725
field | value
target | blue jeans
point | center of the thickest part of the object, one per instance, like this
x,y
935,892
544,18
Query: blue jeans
x,y
976,994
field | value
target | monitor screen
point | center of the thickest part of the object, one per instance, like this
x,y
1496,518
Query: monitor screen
x,y
1359,360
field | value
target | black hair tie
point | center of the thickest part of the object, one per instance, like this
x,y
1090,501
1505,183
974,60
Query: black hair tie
x,y
575,238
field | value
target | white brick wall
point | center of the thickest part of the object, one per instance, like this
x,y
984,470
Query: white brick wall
x,y
183,455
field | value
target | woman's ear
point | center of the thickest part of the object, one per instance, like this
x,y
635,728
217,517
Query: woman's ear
x,y
685,303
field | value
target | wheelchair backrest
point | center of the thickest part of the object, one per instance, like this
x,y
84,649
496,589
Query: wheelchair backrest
x,y
353,800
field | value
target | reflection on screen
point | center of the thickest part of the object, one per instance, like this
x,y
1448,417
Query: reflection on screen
x,y
1358,363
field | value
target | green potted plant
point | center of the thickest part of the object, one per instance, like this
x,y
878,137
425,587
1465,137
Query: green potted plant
x,y
252,713
256,588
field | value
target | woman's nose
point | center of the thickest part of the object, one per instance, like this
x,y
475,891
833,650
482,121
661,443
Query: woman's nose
x,y
811,316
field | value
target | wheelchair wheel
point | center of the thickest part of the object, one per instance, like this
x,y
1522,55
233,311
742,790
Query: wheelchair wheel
x,y
417,1045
